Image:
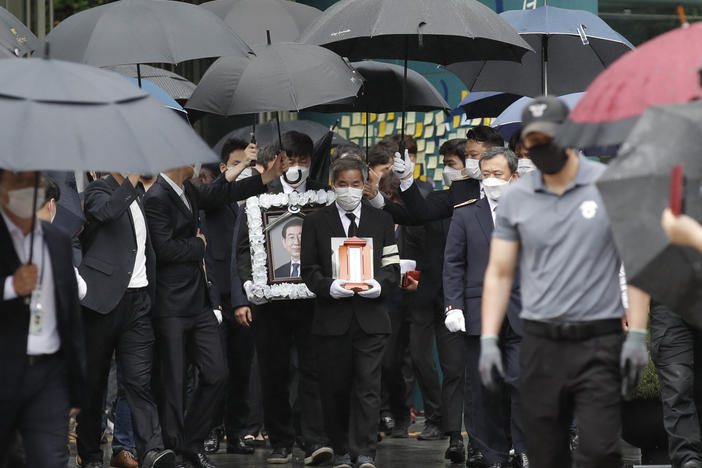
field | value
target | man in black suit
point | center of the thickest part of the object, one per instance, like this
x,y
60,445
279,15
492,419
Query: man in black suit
x,y
283,326
119,268
495,428
292,235
42,352
351,327
218,226
183,312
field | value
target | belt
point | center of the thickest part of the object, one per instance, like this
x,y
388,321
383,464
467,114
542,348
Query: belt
x,y
573,331
34,359
136,290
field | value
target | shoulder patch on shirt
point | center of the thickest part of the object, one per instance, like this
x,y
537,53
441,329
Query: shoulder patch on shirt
x,y
465,203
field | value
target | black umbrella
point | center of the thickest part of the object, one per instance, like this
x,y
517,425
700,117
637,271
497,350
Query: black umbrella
x,y
15,38
486,103
267,133
252,18
90,119
439,31
282,76
178,87
635,189
572,48
143,31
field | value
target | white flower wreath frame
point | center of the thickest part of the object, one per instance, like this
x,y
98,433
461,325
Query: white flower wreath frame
x,y
255,207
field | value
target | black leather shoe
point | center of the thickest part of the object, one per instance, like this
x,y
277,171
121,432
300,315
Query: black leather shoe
x,y
159,459
280,456
500,465
455,452
237,445
521,461
212,441
431,432
476,459
200,460
692,464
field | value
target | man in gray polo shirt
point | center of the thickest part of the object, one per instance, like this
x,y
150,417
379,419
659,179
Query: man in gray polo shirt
x,y
553,224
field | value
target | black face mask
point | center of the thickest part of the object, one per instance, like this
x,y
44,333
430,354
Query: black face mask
x,y
548,158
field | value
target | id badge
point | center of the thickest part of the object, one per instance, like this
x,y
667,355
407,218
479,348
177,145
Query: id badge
x,y
36,313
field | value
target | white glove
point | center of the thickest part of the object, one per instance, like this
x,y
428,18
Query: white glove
x,y
403,167
248,287
337,290
218,315
373,292
455,321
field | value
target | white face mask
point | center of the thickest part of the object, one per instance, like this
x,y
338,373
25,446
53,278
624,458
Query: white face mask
x,y
296,175
472,169
494,187
348,198
245,174
450,174
525,166
20,201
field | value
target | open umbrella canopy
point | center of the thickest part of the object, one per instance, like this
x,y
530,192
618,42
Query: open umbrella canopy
x,y
438,31
143,31
252,18
91,119
267,133
15,38
282,76
164,98
664,70
178,87
510,120
382,91
635,189
486,103
572,47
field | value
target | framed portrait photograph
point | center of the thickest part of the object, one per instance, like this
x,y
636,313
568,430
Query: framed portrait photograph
x,y
275,236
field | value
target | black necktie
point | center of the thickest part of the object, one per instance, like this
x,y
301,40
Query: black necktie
x,y
352,227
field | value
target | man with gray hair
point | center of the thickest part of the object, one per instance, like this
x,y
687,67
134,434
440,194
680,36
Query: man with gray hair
x,y
490,423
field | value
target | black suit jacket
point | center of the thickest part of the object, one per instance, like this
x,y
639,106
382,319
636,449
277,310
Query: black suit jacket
x,y
465,262
109,243
15,316
243,252
180,285
332,317
218,227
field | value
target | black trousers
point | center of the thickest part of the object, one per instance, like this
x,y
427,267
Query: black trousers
x,y
194,340
350,367
676,350
39,412
423,329
241,346
452,352
128,331
562,380
496,428
280,328
393,392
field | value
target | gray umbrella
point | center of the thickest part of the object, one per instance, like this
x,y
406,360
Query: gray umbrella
x,y
252,18
143,31
64,116
635,189
178,87
15,38
572,48
282,76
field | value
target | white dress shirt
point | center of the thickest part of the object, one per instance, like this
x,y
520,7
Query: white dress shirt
x,y
178,190
287,188
139,278
345,221
493,207
48,340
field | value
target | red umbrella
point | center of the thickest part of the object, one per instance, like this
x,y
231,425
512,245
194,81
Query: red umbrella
x,y
664,70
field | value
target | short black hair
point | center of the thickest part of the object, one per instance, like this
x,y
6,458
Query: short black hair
x,y
348,164
296,221
51,189
267,154
380,153
212,167
232,144
297,144
486,135
455,146
410,143
515,140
